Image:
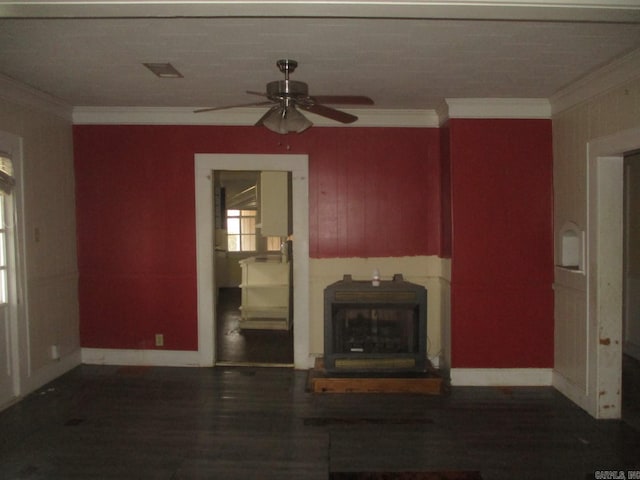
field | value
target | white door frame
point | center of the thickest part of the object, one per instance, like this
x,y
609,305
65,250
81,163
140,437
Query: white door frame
x,y
298,165
605,182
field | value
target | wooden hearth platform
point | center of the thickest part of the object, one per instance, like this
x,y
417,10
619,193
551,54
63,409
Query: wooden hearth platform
x,y
425,383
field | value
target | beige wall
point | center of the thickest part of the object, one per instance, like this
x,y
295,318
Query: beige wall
x,y
572,129
616,111
430,271
48,250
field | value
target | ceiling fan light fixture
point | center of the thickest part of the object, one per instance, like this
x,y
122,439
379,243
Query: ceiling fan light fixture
x,y
284,95
286,119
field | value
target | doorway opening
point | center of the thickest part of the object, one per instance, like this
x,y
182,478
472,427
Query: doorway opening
x,y
297,166
254,266
605,285
631,292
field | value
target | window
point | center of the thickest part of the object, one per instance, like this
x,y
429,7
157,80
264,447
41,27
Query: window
x,y
241,230
7,182
4,293
274,244
241,233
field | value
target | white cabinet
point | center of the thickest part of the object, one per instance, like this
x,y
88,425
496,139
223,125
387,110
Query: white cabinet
x,y
265,293
274,203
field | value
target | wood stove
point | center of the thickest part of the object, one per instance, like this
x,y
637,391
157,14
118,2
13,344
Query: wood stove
x,y
377,326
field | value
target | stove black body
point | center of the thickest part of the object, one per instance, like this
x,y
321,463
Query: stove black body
x,y
375,328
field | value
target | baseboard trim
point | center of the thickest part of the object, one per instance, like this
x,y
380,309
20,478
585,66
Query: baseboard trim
x,y
39,378
501,377
50,372
575,393
153,358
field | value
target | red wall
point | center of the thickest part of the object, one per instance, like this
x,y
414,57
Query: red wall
x,y
478,191
502,257
372,192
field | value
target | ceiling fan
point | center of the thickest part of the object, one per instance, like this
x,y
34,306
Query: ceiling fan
x,y
287,96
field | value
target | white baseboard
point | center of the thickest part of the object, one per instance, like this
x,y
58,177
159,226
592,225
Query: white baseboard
x,y
154,358
50,372
575,393
37,379
459,376
501,377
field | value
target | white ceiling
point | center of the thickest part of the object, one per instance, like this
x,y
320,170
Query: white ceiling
x,y
402,63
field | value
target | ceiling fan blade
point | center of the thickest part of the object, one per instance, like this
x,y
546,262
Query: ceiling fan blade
x,y
343,99
252,104
329,112
252,92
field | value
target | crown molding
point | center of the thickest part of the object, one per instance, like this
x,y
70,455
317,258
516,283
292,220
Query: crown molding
x,y
609,77
442,111
21,94
510,108
533,10
391,118
523,108
242,117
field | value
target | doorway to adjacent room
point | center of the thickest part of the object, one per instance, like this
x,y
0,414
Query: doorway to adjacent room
x,y
631,292
253,265
297,169
605,272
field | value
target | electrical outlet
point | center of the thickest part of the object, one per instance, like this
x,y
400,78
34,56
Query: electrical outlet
x,y
55,352
159,340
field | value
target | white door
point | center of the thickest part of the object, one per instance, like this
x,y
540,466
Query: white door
x,y
9,375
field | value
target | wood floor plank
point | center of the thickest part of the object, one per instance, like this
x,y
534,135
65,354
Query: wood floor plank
x,y
244,423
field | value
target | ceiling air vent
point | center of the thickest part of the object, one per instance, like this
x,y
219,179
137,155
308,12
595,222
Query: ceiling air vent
x,y
163,70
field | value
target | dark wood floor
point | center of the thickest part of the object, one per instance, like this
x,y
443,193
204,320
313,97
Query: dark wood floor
x,y
102,422
631,391
236,346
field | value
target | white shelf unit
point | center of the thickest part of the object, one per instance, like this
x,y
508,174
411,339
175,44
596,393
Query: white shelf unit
x,y
265,293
